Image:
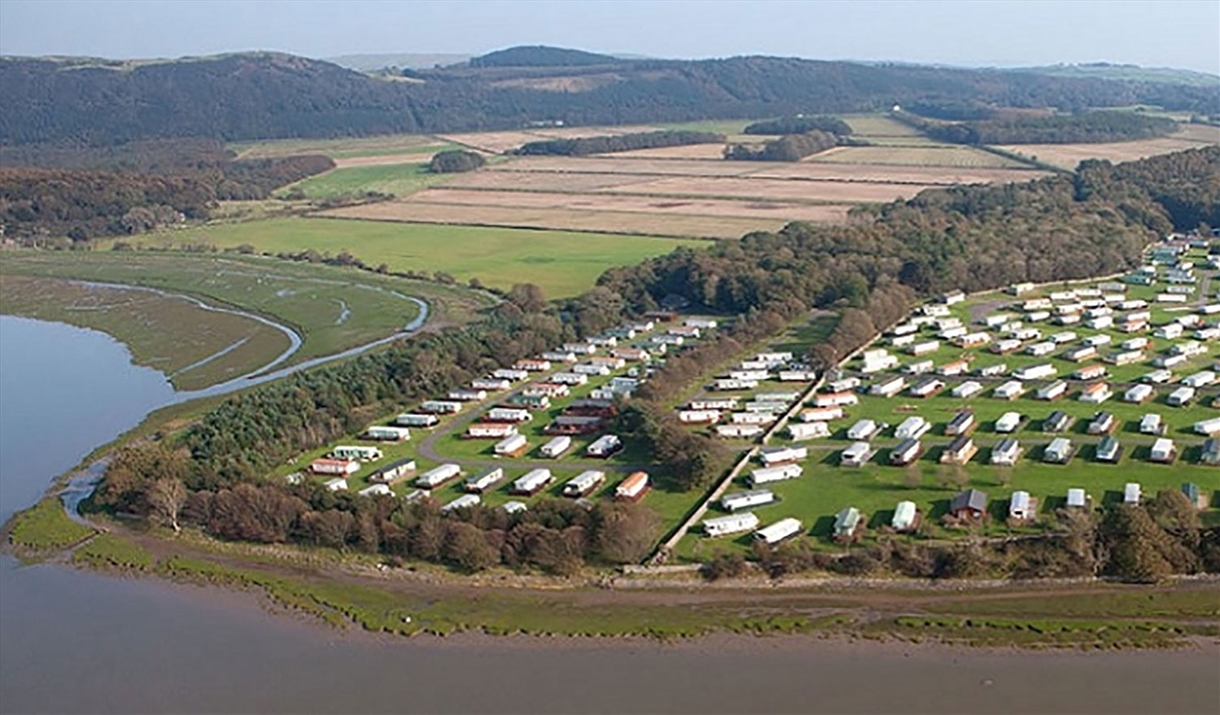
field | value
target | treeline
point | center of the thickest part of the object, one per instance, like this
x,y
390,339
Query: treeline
x,y
584,146
793,147
1144,543
951,111
452,161
1184,185
266,95
1087,127
799,124
139,189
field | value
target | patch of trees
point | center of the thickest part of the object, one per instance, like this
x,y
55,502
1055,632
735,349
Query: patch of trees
x,y
799,124
452,161
951,111
1185,186
1021,128
792,147
541,56
584,146
267,95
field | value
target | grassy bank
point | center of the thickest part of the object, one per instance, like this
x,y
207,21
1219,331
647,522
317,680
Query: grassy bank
x,y
46,527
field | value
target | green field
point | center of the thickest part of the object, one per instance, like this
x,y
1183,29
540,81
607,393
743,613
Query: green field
x,y
332,309
392,179
563,263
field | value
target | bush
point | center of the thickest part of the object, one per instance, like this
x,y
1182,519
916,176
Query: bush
x,y
454,161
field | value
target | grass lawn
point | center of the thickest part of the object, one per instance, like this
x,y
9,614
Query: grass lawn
x,y
563,263
395,179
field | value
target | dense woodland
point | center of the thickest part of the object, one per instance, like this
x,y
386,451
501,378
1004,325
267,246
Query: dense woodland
x,y
454,161
800,124
792,147
584,146
1011,128
540,56
266,95
119,191
975,237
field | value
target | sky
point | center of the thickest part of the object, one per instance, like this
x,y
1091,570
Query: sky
x,y
1002,33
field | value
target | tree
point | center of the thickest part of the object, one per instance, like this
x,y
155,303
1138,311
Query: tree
x,y
166,498
467,548
1136,545
528,297
624,531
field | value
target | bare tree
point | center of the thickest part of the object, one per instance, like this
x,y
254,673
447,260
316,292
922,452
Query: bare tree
x,y
166,498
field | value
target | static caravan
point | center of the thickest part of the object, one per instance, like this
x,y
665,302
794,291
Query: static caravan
x,y
767,475
972,340
1211,452
441,407
1092,372
888,388
906,452
953,369
1128,357
1138,394
960,451
570,378
1052,391
719,403
885,362
334,466
546,389
1131,493
1057,421
996,320
1163,451
738,431
1109,450
1102,423
387,433
821,414
1209,427
924,348
856,455
962,423
947,334
953,297
835,399
1199,379
1077,498
779,531
515,375
1019,288
754,375
703,323
508,414
772,408
530,401
698,417
605,446
1043,371
731,524
846,524
484,480
584,483
902,341
912,427
376,490
904,516
1008,345
356,452
807,430
490,430
336,484
412,419
467,395
394,471
967,389
1059,451
1158,377
491,383
797,375
746,499
511,446
1080,354
771,456
534,481
1006,452
843,385
559,356
934,310
437,476
1170,361
1037,316
1170,331
1181,397
465,501
729,383
1021,506
633,488
1010,390
1152,423
863,430
1040,349
752,418
926,387
536,365
1008,422
555,448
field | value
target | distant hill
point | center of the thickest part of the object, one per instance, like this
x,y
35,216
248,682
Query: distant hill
x,y
270,95
1134,73
541,56
406,60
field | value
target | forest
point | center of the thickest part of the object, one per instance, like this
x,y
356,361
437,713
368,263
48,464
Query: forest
x,y
454,161
584,146
49,192
268,95
1010,128
799,124
792,147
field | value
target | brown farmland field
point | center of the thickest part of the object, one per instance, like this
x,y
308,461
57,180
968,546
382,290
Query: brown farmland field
x,y
1069,155
677,225
690,151
937,175
540,181
773,189
878,125
611,164
936,155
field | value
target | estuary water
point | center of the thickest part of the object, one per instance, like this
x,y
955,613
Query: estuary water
x,y
75,641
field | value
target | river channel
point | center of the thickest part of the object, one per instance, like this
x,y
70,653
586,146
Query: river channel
x,y
73,641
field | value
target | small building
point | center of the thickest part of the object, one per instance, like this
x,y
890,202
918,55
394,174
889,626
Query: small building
x,y
1163,451
484,480
905,515
511,446
490,430
780,530
926,387
966,390
766,475
387,433
1211,452
605,446
1181,397
906,452
1196,496
746,499
1131,493
412,419
357,453
437,476
633,488
1010,390
856,455
336,484
1139,394
467,395
570,378
738,431
1152,423
516,375
953,297
532,482
1021,507
1006,452
440,407
514,506
584,483
1109,450
342,467
888,388
376,490
912,427
863,430
970,505
1092,372
799,431
535,365
1044,371
465,501
1052,391
771,456
1096,393
717,404
1059,451
698,417
847,523
1008,422
822,414
508,414
731,524
394,471
960,451
1077,498
491,383
555,448
835,399
1102,423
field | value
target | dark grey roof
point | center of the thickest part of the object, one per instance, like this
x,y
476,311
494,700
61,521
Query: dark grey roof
x,y
971,498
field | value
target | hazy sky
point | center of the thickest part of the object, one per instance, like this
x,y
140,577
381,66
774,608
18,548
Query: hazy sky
x,y
1161,33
